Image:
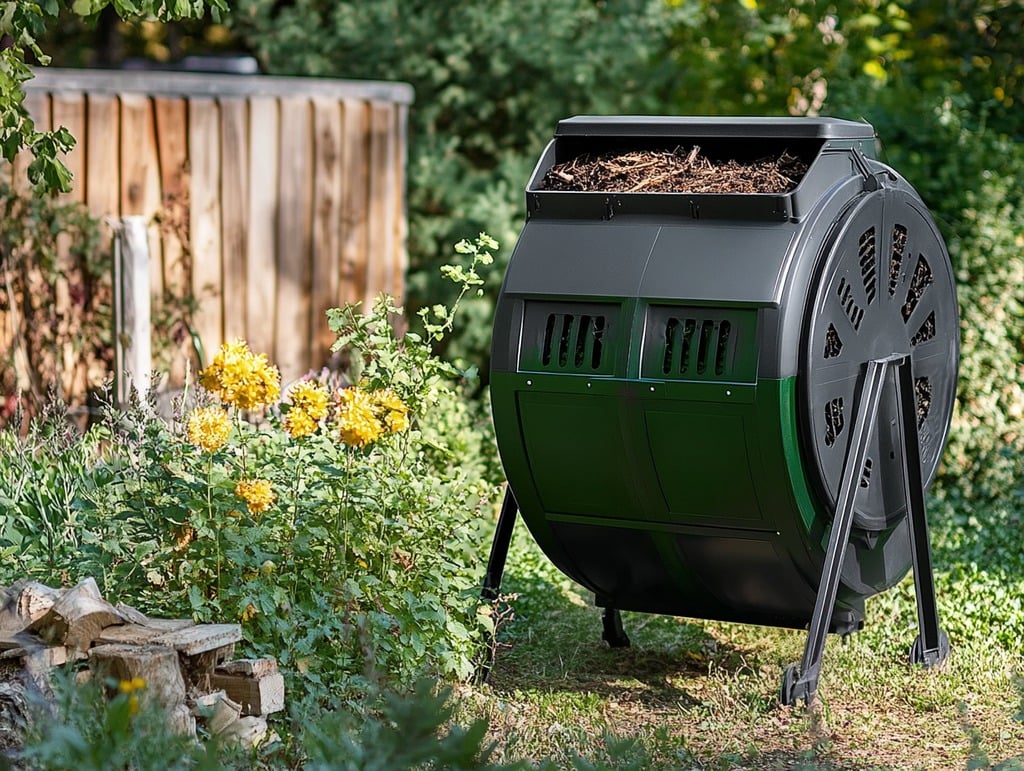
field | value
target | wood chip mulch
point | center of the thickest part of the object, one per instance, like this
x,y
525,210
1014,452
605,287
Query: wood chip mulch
x,y
683,170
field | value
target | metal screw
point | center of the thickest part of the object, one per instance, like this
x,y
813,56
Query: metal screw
x,y
529,382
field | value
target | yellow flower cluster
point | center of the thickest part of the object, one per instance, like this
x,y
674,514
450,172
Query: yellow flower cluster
x,y
309,405
365,416
209,428
131,688
241,378
257,494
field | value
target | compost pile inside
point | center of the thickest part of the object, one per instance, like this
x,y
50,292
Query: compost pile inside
x,y
683,170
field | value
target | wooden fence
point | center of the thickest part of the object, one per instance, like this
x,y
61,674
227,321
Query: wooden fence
x,y
270,199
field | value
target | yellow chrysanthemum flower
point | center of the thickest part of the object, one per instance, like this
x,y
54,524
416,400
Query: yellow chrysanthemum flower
x,y
299,423
209,428
310,397
242,378
357,422
392,410
257,494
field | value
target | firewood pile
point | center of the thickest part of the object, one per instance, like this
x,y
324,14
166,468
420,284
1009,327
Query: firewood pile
x,y
185,668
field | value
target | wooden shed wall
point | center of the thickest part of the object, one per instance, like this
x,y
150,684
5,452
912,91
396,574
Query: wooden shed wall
x,y
270,199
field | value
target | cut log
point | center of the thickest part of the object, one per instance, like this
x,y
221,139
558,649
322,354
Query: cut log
x,y
141,633
36,599
131,615
157,665
249,667
181,721
258,696
200,638
78,618
217,710
246,731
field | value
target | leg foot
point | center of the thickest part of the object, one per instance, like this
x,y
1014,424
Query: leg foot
x,y
613,633
935,657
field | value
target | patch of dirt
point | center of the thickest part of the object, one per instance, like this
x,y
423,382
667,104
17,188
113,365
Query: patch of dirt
x,y
683,170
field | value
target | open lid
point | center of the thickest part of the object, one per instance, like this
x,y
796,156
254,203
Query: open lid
x,y
704,127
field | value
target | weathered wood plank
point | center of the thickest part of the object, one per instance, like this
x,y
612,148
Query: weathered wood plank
x,y
175,268
68,110
102,157
326,223
258,696
249,667
140,174
261,267
234,154
204,220
354,202
381,210
292,346
171,118
200,638
400,259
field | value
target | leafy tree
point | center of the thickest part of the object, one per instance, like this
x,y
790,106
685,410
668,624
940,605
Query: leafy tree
x,y
22,24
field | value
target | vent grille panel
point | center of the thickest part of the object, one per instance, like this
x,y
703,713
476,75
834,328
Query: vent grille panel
x,y
569,337
853,311
899,244
926,332
921,280
833,343
834,420
868,270
702,344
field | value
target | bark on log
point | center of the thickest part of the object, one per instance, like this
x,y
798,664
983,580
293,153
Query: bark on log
x,y
157,665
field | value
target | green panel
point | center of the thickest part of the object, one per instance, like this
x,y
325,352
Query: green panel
x,y
799,485
574,447
702,465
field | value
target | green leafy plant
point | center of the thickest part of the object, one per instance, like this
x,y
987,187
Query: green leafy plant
x,y
334,521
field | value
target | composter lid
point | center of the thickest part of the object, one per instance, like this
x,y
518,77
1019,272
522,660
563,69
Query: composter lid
x,y
708,126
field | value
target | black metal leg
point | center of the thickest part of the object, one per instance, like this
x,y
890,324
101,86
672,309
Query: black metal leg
x,y
499,548
613,633
800,684
492,578
932,645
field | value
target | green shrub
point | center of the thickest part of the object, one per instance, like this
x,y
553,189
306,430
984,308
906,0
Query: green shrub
x,y
347,544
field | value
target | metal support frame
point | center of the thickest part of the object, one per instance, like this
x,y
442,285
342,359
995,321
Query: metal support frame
x,y
612,633
800,682
499,548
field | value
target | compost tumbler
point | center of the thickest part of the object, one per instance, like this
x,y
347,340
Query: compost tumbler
x,y
728,406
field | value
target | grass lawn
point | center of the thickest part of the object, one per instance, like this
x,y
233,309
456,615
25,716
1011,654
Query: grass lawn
x,y
700,694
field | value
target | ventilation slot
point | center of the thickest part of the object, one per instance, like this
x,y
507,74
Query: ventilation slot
x,y
722,347
833,345
926,332
573,342
865,477
834,420
922,280
853,311
701,347
923,398
868,271
899,243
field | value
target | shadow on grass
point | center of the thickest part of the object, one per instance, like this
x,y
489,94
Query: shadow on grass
x,y
553,644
